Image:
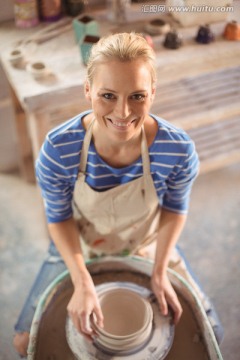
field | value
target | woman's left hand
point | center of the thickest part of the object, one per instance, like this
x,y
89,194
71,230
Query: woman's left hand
x,y
166,295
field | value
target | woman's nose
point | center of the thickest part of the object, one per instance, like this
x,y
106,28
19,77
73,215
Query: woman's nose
x,y
122,109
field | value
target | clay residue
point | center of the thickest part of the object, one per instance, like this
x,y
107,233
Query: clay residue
x,y
51,343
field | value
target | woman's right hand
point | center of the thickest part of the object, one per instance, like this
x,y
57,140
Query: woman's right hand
x,y
84,303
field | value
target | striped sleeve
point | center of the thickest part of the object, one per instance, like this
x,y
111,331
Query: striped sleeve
x,y
180,181
55,182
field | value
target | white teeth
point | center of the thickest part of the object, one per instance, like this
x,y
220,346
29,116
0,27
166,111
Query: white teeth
x,y
121,124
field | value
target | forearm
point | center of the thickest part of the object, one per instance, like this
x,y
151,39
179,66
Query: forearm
x,y
171,226
65,235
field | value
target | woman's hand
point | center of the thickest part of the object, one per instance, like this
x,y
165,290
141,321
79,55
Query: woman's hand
x,y
166,295
84,303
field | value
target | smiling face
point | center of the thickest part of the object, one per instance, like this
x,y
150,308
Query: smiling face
x,y
121,94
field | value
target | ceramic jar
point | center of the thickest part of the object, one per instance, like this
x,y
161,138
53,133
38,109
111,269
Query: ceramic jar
x,y
26,13
204,35
232,31
74,7
172,40
86,45
84,25
50,10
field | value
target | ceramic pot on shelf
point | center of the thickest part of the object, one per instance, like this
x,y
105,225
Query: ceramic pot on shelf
x,y
26,13
50,10
205,35
157,27
85,46
172,40
84,25
232,31
74,7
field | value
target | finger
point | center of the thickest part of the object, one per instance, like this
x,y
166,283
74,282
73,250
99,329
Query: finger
x,y
75,320
99,316
89,338
177,309
162,304
85,323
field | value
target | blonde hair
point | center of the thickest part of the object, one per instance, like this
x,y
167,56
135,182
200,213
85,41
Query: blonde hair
x,y
121,47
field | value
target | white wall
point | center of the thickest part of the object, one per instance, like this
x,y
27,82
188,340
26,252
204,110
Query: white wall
x,y
7,9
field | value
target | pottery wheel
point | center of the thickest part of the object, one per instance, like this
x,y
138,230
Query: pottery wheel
x,y
156,347
51,343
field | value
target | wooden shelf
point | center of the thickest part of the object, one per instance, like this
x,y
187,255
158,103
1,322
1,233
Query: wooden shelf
x,y
207,107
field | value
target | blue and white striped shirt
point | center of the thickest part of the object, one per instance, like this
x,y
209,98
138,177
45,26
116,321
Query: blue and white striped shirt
x,y
174,166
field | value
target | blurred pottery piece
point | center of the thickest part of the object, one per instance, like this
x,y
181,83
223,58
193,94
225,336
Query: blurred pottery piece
x,y
25,13
38,70
117,11
232,31
74,7
172,40
84,25
204,35
86,45
50,10
157,27
16,57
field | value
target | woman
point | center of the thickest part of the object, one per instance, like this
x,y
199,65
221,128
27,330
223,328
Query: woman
x,y
123,173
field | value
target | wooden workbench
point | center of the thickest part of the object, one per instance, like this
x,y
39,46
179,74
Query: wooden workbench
x,y
191,88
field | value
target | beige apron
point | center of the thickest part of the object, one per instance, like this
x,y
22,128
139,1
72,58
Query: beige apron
x,y
124,219
121,220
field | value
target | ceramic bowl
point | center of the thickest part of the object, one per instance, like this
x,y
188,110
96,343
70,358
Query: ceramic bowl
x,y
38,69
16,57
124,311
157,27
127,320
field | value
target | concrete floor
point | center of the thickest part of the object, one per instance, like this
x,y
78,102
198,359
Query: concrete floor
x,y
210,241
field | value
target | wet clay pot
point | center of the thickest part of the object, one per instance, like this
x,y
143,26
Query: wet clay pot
x,y
127,320
232,31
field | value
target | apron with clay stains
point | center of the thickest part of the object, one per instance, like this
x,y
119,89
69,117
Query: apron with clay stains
x,y
121,220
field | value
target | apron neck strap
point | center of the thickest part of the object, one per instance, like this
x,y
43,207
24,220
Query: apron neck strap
x,y
86,144
85,147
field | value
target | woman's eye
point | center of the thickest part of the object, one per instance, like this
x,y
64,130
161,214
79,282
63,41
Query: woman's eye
x,y
108,96
138,97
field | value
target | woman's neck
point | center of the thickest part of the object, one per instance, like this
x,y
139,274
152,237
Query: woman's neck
x,y
117,154
121,153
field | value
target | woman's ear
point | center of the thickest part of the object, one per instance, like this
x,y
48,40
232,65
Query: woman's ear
x,y
153,93
87,90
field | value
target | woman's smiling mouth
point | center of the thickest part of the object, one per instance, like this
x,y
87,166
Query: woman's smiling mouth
x,y
122,125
